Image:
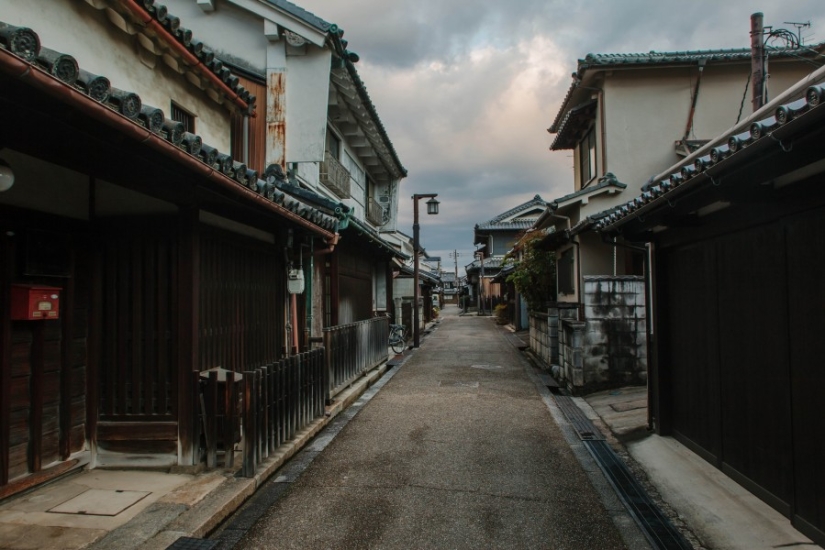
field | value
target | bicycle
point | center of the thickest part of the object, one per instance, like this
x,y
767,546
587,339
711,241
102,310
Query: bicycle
x,y
398,338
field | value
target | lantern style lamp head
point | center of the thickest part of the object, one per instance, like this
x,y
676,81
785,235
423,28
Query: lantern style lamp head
x,y
432,206
7,177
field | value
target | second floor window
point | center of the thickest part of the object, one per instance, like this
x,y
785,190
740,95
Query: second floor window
x,y
180,114
333,145
587,157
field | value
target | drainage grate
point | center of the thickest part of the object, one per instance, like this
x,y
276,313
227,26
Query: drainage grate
x,y
187,543
656,526
584,427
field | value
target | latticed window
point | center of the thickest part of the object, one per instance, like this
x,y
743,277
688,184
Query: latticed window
x,y
180,114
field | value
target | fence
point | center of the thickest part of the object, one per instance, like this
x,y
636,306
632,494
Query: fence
x,y
352,350
272,403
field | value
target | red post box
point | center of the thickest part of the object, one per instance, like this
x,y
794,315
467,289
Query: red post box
x,y
34,302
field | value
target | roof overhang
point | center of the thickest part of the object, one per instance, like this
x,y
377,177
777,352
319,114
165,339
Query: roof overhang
x,y
124,150
776,146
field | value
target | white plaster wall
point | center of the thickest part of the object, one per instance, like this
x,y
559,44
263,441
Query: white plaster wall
x,y
647,111
75,28
227,30
307,97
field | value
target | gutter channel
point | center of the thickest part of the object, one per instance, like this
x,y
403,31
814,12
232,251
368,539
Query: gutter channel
x,y
657,528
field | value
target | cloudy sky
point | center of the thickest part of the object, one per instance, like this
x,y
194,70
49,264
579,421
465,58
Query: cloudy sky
x,y
467,88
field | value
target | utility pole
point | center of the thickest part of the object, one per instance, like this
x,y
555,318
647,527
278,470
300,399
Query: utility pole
x,y
757,62
454,255
481,294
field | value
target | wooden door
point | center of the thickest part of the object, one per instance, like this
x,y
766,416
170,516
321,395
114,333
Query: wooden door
x,y
138,374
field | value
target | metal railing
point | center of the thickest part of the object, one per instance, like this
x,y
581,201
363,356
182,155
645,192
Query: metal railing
x,y
352,350
335,176
375,212
271,404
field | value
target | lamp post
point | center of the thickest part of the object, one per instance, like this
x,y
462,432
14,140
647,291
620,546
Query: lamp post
x,y
432,209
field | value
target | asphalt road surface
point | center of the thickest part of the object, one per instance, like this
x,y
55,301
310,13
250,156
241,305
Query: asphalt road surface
x,y
457,450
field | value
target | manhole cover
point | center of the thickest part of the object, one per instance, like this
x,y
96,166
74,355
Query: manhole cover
x,y
100,502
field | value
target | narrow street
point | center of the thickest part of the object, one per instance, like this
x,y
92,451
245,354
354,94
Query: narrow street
x,y
457,450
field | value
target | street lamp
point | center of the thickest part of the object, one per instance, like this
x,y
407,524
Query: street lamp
x,y
432,209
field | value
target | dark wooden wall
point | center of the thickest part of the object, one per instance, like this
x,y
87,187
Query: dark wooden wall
x,y
742,342
257,129
355,273
43,363
242,303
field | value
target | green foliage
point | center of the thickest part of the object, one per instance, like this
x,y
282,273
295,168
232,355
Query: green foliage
x,y
534,274
500,313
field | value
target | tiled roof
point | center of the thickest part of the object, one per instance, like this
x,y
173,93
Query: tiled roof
x,y
574,126
694,170
493,262
307,17
500,222
373,237
189,54
682,57
423,276
608,180
688,57
64,69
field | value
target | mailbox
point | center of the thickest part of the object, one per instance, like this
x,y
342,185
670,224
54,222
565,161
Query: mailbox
x,y
34,302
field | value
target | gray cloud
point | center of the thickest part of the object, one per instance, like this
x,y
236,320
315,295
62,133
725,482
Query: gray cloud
x,y
467,88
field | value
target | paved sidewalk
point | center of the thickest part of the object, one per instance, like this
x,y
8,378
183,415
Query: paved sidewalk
x,y
719,511
165,506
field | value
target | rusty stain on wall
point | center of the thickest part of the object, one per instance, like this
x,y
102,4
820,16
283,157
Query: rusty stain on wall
x,y
276,118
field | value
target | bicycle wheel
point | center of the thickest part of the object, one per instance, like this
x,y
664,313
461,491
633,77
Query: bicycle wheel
x,y
397,342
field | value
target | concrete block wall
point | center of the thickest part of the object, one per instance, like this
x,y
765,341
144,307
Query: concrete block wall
x,y
614,345
546,334
540,336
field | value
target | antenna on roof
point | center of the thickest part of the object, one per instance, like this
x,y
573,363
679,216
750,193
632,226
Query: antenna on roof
x,y
799,26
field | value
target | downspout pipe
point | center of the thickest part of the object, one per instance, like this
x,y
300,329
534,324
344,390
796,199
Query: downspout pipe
x,y
143,16
308,277
37,78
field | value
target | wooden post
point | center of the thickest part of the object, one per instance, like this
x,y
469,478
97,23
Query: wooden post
x,y
36,397
188,318
66,366
211,413
6,273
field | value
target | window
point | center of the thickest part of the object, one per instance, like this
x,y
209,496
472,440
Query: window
x,y
587,157
180,114
566,273
333,145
